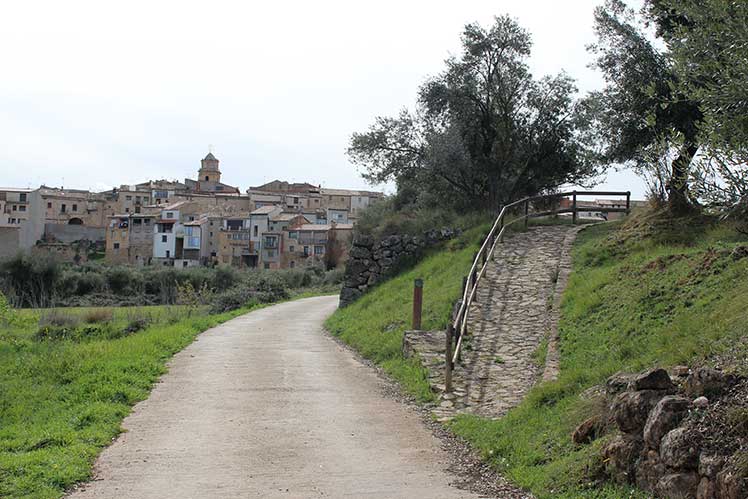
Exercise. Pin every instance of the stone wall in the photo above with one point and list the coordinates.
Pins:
(670, 440)
(370, 261)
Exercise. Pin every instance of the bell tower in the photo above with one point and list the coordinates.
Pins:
(209, 171)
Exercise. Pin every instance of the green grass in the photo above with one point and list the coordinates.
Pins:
(61, 402)
(374, 324)
(642, 294)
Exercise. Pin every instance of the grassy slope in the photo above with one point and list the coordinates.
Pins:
(632, 303)
(374, 324)
(61, 402)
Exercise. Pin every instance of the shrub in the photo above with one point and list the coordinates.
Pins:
(232, 299)
(59, 319)
(137, 321)
(54, 333)
(97, 315)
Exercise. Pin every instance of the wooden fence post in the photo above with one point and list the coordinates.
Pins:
(574, 207)
(417, 303)
(527, 211)
(628, 203)
(448, 358)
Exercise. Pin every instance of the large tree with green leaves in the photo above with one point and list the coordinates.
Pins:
(485, 131)
(643, 112)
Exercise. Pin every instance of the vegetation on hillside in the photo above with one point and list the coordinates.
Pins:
(374, 324)
(34, 281)
(653, 291)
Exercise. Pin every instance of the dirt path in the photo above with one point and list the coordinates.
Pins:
(267, 406)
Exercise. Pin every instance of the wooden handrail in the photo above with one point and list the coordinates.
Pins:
(458, 325)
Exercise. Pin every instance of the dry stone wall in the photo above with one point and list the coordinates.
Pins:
(371, 261)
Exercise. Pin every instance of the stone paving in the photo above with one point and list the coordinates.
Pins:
(516, 309)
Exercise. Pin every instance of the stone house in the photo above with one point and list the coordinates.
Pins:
(129, 238)
(305, 244)
(14, 205)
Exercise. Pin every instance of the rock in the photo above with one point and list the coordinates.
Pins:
(739, 253)
(654, 379)
(679, 449)
(649, 470)
(631, 409)
(619, 382)
(348, 296)
(710, 465)
(373, 279)
(363, 240)
(706, 381)
(730, 485)
(678, 486)
(701, 402)
(587, 431)
(359, 253)
(619, 456)
(664, 417)
(680, 371)
(707, 489)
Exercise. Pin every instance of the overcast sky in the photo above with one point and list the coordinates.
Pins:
(106, 93)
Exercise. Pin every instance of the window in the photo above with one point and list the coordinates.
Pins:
(318, 250)
(75, 207)
(15, 207)
(128, 198)
(271, 253)
(291, 249)
(293, 235)
(147, 221)
(168, 254)
(207, 178)
(127, 210)
(116, 245)
(63, 208)
(293, 264)
(22, 208)
(22, 197)
(49, 205)
(295, 200)
(164, 239)
(211, 234)
(267, 265)
(169, 214)
(306, 250)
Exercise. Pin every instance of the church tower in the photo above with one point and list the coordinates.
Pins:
(209, 171)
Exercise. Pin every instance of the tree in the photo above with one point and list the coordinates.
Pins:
(333, 250)
(708, 42)
(484, 131)
(642, 106)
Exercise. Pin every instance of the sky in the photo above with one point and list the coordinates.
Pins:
(95, 94)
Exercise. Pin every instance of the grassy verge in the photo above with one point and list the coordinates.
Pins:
(641, 294)
(62, 401)
(374, 324)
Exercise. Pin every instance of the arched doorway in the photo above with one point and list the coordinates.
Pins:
(75, 221)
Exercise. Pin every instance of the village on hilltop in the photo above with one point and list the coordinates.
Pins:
(198, 222)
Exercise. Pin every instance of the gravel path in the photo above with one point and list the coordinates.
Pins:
(268, 406)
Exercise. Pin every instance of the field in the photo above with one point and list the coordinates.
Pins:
(64, 395)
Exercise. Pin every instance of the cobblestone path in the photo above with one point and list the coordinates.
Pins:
(516, 310)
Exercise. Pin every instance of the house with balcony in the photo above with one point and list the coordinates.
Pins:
(177, 236)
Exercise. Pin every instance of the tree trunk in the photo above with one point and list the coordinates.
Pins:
(677, 188)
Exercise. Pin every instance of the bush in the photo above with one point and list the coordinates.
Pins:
(232, 299)
(137, 321)
(97, 315)
(59, 319)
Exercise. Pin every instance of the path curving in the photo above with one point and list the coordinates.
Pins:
(267, 406)
(515, 311)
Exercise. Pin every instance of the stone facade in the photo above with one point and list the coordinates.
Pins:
(370, 262)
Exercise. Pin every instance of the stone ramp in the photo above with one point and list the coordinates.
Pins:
(516, 309)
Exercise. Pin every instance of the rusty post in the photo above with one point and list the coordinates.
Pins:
(448, 358)
(574, 208)
(417, 303)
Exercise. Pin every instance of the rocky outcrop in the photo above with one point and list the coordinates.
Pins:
(659, 447)
(370, 261)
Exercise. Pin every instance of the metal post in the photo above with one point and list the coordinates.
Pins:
(574, 208)
(448, 358)
(628, 203)
(417, 303)
(527, 211)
